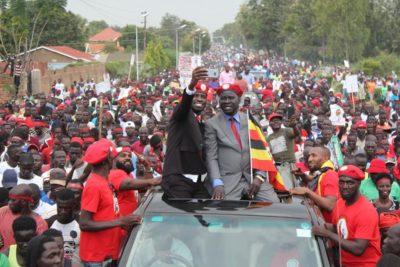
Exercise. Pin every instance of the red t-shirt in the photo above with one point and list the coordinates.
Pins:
(358, 221)
(138, 147)
(328, 185)
(99, 199)
(6, 221)
(126, 199)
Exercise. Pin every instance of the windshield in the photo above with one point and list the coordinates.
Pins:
(211, 240)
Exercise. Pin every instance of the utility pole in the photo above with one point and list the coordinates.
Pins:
(144, 15)
(137, 55)
(177, 43)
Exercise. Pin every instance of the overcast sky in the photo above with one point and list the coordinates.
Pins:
(211, 14)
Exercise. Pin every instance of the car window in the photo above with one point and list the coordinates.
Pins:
(211, 240)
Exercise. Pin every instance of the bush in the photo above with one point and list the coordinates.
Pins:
(381, 65)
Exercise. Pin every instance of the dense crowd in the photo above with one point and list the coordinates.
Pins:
(74, 162)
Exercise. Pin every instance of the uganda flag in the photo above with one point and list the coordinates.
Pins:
(261, 159)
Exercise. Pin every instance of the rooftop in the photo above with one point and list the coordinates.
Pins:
(106, 35)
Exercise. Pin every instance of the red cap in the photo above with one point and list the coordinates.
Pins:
(377, 166)
(61, 107)
(361, 124)
(232, 87)
(99, 151)
(352, 172)
(88, 140)
(202, 87)
(274, 115)
(117, 130)
(316, 102)
(77, 140)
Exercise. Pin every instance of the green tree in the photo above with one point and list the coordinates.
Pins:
(155, 58)
(96, 26)
(27, 24)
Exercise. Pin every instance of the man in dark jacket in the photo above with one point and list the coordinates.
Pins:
(184, 161)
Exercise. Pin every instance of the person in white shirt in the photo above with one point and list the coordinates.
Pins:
(65, 222)
(227, 76)
(45, 210)
(25, 174)
(59, 86)
(13, 153)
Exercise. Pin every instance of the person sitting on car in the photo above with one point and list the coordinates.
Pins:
(164, 249)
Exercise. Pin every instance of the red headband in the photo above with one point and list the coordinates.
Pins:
(19, 197)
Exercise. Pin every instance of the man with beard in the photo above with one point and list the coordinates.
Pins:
(355, 225)
(123, 181)
(322, 187)
(24, 229)
(184, 161)
(19, 204)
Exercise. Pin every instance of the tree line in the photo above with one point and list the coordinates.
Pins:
(327, 30)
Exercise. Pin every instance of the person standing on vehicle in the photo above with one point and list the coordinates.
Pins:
(322, 185)
(356, 228)
(228, 153)
(184, 160)
(100, 220)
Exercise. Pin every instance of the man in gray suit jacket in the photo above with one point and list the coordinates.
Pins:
(228, 153)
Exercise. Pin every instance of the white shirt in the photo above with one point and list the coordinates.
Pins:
(35, 180)
(3, 167)
(71, 244)
(45, 210)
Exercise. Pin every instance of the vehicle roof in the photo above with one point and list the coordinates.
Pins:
(155, 204)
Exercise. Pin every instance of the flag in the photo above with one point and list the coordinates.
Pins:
(260, 157)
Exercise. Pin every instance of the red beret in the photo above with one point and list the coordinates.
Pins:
(275, 115)
(378, 166)
(88, 140)
(361, 124)
(77, 140)
(99, 151)
(202, 87)
(352, 172)
(232, 87)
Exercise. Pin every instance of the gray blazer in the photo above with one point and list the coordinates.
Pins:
(224, 158)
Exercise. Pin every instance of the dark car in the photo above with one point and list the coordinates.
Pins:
(224, 233)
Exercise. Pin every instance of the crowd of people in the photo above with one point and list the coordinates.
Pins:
(74, 162)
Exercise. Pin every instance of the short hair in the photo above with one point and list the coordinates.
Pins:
(24, 223)
(51, 232)
(36, 249)
(75, 145)
(154, 140)
(26, 158)
(65, 194)
(13, 146)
